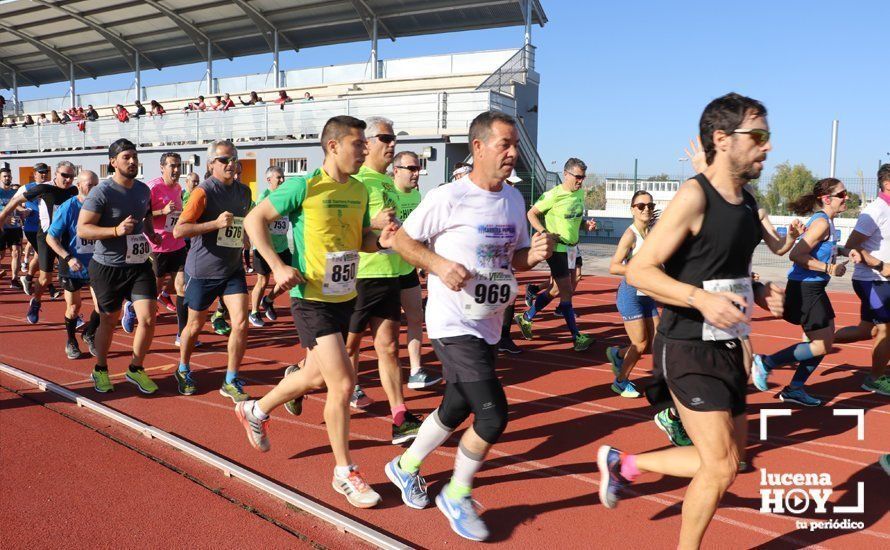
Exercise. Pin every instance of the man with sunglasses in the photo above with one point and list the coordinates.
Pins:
(696, 261)
(563, 210)
(378, 287)
(214, 221)
(47, 197)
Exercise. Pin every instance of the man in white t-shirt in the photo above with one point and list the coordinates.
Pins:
(478, 236)
(870, 246)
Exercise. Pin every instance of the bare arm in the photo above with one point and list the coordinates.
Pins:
(534, 218)
(56, 246)
(800, 254)
(369, 241)
(540, 248)
(11, 206)
(185, 230)
(854, 245)
(416, 253)
(88, 228)
(256, 226)
(625, 245)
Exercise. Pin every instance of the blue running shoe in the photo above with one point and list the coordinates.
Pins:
(611, 481)
(33, 315)
(625, 388)
(531, 292)
(759, 373)
(613, 353)
(462, 516)
(128, 320)
(799, 397)
(412, 486)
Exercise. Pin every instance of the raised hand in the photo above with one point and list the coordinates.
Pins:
(796, 228)
(696, 156)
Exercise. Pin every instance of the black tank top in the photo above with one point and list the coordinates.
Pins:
(721, 250)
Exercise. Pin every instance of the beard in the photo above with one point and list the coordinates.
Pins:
(747, 171)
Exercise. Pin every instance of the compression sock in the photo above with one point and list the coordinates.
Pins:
(71, 329)
(804, 370)
(92, 324)
(791, 354)
(466, 464)
(568, 313)
(430, 435)
(539, 304)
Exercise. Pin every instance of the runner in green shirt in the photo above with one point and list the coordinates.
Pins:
(278, 230)
(563, 210)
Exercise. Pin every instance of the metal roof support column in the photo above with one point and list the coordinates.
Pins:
(15, 93)
(209, 68)
(528, 22)
(275, 65)
(71, 88)
(374, 72)
(138, 78)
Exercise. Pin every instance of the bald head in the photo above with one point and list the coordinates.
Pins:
(86, 180)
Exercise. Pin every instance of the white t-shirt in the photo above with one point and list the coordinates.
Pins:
(478, 229)
(874, 223)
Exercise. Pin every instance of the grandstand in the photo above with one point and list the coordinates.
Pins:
(431, 99)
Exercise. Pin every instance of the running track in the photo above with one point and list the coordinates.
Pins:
(76, 475)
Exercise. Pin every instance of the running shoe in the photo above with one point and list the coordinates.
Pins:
(407, 431)
(101, 381)
(54, 293)
(422, 379)
(531, 292)
(507, 345)
(220, 325)
(612, 483)
(185, 384)
(412, 486)
(16, 283)
(90, 341)
(462, 516)
(234, 391)
(359, 399)
(255, 428)
(357, 492)
(884, 461)
(625, 388)
(799, 397)
(33, 315)
(880, 385)
(582, 342)
(178, 342)
(142, 381)
(167, 302)
(26, 284)
(294, 406)
(269, 308)
(673, 428)
(80, 322)
(71, 350)
(613, 353)
(759, 373)
(128, 320)
(255, 320)
(525, 326)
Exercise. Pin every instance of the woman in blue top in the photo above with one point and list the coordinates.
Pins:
(806, 301)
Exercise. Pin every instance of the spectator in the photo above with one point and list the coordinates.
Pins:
(121, 113)
(198, 105)
(78, 114)
(91, 114)
(217, 103)
(28, 121)
(42, 120)
(282, 99)
(10, 123)
(54, 117)
(308, 97)
(140, 110)
(227, 103)
(65, 117)
(254, 100)
(157, 109)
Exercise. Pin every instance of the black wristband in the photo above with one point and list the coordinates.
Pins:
(880, 267)
(380, 246)
(67, 259)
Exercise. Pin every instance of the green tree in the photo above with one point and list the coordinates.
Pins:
(595, 196)
(788, 183)
(659, 177)
(854, 205)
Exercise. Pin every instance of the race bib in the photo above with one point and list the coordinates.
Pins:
(279, 226)
(85, 246)
(488, 294)
(742, 287)
(339, 273)
(232, 236)
(170, 223)
(137, 249)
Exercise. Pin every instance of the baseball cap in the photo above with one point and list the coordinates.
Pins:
(41, 167)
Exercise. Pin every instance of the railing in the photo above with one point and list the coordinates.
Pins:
(415, 114)
(514, 70)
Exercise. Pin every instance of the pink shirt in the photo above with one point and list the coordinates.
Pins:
(161, 194)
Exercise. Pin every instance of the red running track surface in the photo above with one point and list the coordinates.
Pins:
(538, 487)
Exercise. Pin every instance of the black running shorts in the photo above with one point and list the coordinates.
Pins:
(466, 358)
(409, 280)
(314, 319)
(46, 257)
(807, 305)
(168, 263)
(378, 298)
(113, 285)
(559, 265)
(261, 266)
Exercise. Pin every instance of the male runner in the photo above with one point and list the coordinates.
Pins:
(31, 225)
(74, 255)
(696, 261)
(479, 235)
(12, 229)
(214, 221)
(563, 210)
(329, 214)
(378, 286)
(278, 230)
(406, 174)
(47, 196)
(115, 215)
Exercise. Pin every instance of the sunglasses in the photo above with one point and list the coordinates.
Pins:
(410, 168)
(67, 176)
(644, 206)
(577, 177)
(386, 138)
(839, 195)
(226, 160)
(42, 172)
(759, 136)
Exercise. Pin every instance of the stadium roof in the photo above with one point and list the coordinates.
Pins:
(40, 39)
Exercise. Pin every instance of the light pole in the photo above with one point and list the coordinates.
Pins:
(682, 161)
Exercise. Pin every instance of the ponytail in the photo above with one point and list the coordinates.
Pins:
(810, 201)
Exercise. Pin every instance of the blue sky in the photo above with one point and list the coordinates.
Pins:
(625, 80)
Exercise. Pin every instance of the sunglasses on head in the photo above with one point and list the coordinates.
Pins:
(643, 206)
(386, 138)
(839, 194)
(226, 160)
(758, 135)
(410, 168)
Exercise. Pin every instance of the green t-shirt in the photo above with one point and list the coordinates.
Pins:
(407, 203)
(381, 194)
(278, 228)
(563, 211)
(327, 217)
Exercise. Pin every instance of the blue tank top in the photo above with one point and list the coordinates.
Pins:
(32, 221)
(825, 251)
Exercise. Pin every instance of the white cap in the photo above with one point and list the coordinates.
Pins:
(513, 178)
(461, 172)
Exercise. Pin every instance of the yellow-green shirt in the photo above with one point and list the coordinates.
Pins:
(563, 211)
(382, 194)
(326, 216)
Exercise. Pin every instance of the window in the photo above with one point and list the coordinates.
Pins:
(291, 166)
(105, 171)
